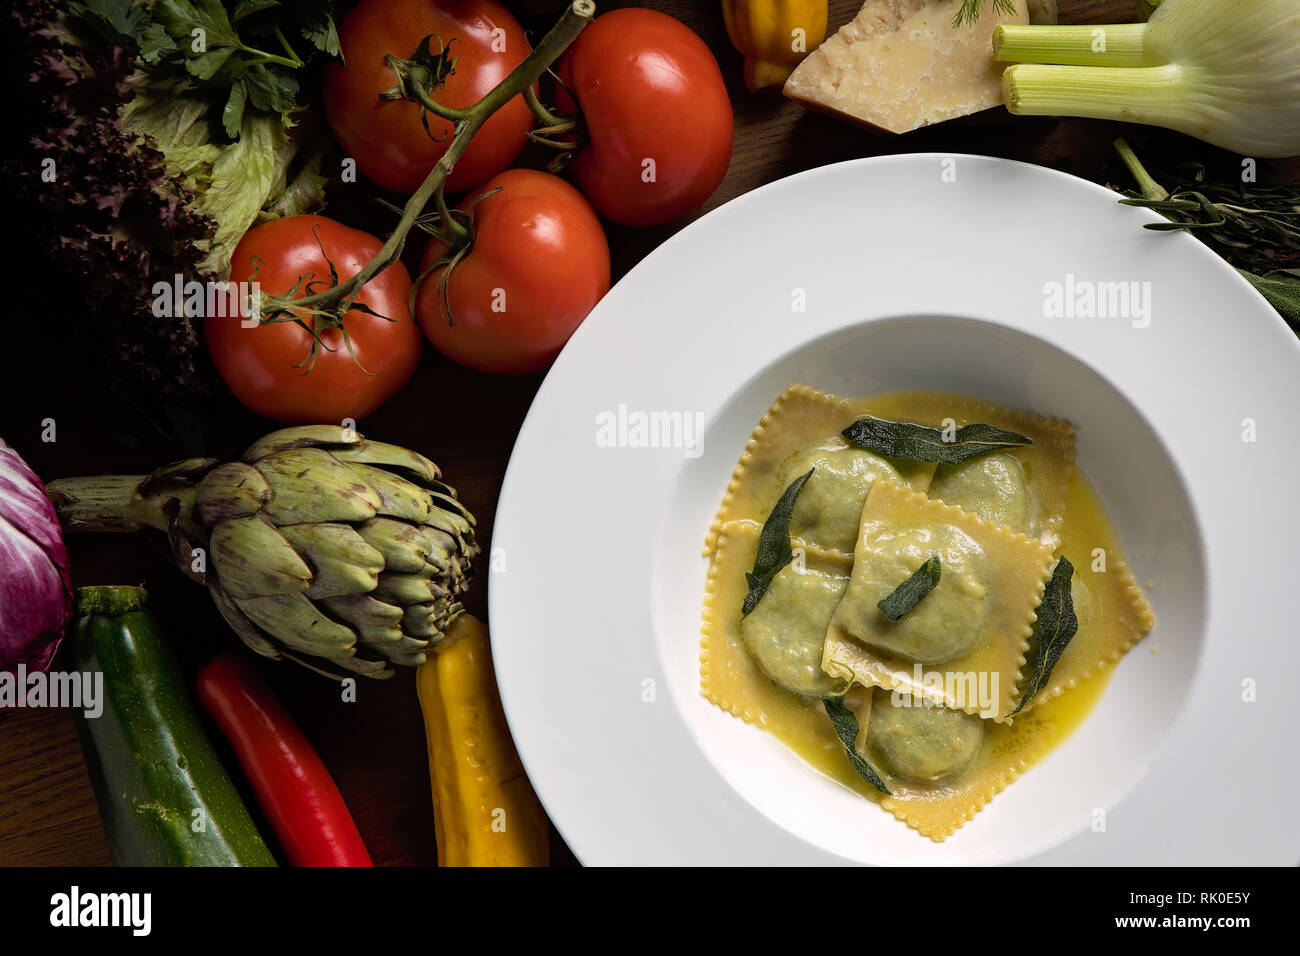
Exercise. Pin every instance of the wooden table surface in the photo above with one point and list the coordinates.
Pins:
(466, 422)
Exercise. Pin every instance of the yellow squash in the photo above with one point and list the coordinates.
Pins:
(774, 35)
(484, 810)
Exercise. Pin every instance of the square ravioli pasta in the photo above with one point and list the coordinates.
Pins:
(943, 766)
(766, 667)
(731, 676)
(1112, 611)
(1022, 489)
(801, 430)
(964, 644)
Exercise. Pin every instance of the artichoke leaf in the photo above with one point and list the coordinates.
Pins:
(232, 490)
(342, 561)
(430, 620)
(408, 644)
(248, 631)
(453, 611)
(366, 667)
(451, 504)
(298, 624)
(399, 498)
(410, 659)
(444, 489)
(328, 437)
(376, 623)
(252, 559)
(413, 465)
(454, 525)
(310, 484)
(405, 589)
(404, 546)
(421, 620)
(327, 668)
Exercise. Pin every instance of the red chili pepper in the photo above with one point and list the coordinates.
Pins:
(296, 792)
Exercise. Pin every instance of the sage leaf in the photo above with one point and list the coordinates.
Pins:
(846, 728)
(1282, 289)
(912, 591)
(773, 544)
(920, 443)
(1054, 629)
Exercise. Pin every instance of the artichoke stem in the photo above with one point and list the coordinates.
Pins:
(114, 503)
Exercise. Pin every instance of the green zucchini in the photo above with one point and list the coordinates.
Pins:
(164, 797)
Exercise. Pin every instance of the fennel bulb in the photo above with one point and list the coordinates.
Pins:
(1224, 71)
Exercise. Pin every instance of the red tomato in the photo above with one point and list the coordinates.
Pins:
(657, 114)
(386, 137)
(264, 366)
(538, 265)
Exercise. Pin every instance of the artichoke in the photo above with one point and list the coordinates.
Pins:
(341, 554)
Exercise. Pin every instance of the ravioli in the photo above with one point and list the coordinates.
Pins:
(949, 621)
(830, 502)
(976, 622)
(982, 484)
(730, 676)
(938, 808)
(799, 431)
(863, 524)
(993, 487)
(1113, 614)
(919, 741)
(786, 630)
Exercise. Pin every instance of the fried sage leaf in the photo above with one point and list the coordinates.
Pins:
(773, 544)
(912, 591)
(1054, 629)
(920, 443)
(846, 728)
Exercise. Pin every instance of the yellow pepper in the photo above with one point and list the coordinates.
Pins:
(484, 810)
(774, 35)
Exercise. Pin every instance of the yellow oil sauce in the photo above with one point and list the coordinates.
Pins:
(805, 729)
(801, 724)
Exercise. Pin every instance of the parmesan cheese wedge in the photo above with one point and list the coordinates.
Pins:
(901, 64)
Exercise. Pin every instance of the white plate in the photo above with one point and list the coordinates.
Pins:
(915, 271)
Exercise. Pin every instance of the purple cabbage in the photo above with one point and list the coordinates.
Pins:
(35, 585)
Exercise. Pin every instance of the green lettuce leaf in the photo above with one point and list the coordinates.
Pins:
(228, 185)
(177, 150)
(241, 184)
(299, 186)
(173, 118)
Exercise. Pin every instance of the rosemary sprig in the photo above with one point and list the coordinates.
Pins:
(1255, 228)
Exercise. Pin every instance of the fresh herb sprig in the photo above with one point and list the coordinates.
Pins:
(971, 10)
(1256, 228)
(243, 53)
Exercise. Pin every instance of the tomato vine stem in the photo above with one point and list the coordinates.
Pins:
(545, 116)
(337, 301)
